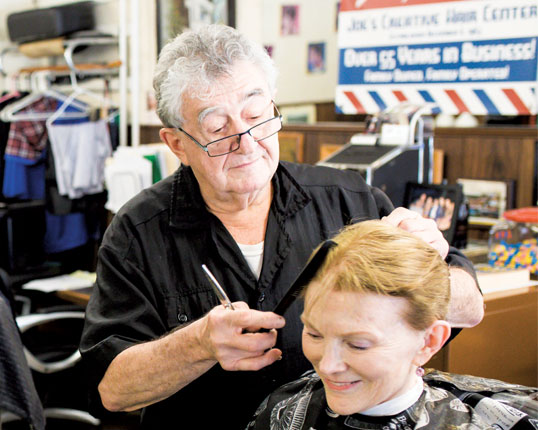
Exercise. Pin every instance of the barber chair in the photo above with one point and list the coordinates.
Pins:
(53, 349)
(49, 329)
(50, 347)
(18, 396)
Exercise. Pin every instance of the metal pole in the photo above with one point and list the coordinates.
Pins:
(135, 73)
(123, 71)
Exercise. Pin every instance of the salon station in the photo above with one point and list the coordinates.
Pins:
(432, 103)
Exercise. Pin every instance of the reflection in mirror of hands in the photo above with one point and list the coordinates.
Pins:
(427, 207)
(418, 205)
(445, 220)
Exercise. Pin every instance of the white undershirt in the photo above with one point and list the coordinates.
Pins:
(398, 404)
(254, 256)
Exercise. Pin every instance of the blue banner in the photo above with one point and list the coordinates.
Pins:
(501, 60)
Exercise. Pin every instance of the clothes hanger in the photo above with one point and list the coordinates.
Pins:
(13, 91)
(103, 101)
(11, 112)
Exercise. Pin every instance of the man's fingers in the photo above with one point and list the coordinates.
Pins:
(398, 215)
(418, 225)
(254, 320)
(254, 342)
(234, 339)
(425, 228)
(257, 363)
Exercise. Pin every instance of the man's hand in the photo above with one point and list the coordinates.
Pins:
(466, 303)
(231, 337)
(424, 228)
(149, 372)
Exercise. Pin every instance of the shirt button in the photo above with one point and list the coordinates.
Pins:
(262, 298)
(182, 318)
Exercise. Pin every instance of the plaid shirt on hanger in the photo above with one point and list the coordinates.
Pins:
(27, 139)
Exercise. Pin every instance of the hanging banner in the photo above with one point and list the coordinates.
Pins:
(474, 56)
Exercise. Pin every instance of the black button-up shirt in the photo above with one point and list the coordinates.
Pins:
(149, 280)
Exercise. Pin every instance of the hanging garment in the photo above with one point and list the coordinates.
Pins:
(80, 151)
(126, 174)
(4, 135)
(27, 139)
(24, 178)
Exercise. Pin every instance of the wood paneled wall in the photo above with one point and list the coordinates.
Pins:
(321, 133)
(478, 153)
(492, 153)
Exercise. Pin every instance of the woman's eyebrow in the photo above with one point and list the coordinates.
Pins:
(305, 321)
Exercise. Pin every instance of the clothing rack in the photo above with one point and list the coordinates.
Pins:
(80, 71)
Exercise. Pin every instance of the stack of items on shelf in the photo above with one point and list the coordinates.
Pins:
(132, 169)
(513, 252)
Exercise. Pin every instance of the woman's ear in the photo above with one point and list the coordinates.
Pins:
(435, 337)
(170, 136)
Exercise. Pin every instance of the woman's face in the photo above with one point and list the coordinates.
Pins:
(362, 349)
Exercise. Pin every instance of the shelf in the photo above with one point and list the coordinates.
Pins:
(71, 44)
(111, 68)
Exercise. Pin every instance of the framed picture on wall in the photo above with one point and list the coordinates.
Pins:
(488, 199)
(291, 146)
(316, 57)
(438, 202)
(289, 23)
(173, 16)
(298, 114)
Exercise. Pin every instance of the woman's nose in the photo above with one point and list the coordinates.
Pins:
(332, 360)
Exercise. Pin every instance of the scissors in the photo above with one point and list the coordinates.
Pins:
(306, 275)
(219, 291)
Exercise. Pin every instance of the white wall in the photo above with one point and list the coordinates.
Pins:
(261, 19)
(316, 24)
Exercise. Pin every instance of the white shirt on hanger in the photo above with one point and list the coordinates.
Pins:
(80, 151)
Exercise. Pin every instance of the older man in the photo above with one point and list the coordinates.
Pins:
(155, 335)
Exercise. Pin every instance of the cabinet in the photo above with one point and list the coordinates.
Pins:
(503, 346)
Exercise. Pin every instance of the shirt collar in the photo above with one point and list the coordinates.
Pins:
(398, 404)
(188, 210)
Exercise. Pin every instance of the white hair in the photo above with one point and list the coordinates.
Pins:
(193, 60)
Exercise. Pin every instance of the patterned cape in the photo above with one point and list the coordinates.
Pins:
(448, 402)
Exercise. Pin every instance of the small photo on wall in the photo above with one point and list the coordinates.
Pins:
(290, 20)
(316, 57)
(337, 15)
(269, 50)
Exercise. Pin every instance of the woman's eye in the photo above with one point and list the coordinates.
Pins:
(358, 347)
(313, 335)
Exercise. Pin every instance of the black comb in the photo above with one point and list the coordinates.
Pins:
(306, 275)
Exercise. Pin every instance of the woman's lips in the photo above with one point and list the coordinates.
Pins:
(340, 386)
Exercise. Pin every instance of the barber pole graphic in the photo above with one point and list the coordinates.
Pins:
(456, 55)
(478, 100)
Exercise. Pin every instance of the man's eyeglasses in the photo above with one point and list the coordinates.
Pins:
(228, 144)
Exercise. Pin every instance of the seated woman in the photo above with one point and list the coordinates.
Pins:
(373, 316)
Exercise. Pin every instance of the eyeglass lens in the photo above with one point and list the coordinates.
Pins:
(231, 143)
